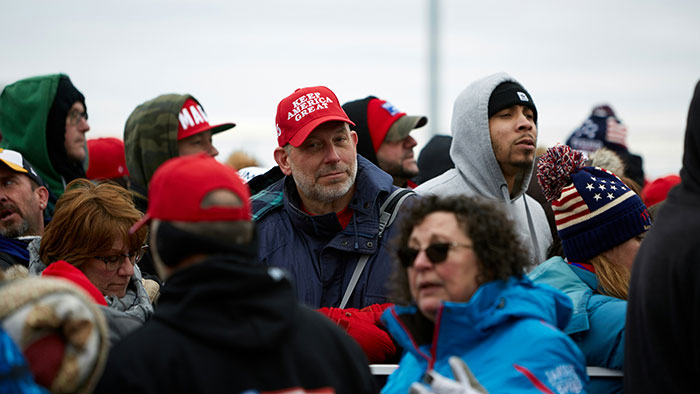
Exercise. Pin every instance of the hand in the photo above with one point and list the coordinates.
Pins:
(366, 329)
(465, 382)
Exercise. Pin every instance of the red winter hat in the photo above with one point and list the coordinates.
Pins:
(301, 112)
(107, 159)
(193, 120)
(179, 186)
(65, 270)
(656, 191)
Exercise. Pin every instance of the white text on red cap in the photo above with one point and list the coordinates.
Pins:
(307, 104)
(197, 116)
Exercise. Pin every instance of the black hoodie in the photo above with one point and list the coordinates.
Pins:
(226, 325)
(662, 349)
(66, 96)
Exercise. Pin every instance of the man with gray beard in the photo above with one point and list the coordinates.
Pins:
(23, 199)
(323, 216)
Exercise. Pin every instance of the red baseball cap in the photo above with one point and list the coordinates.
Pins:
(107, 159)
(193, 120)
(386, 122)
(179, 186)
(301, 112)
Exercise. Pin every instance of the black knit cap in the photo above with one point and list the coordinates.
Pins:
(508, 94)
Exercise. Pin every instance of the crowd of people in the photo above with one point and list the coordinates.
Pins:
(480, 264)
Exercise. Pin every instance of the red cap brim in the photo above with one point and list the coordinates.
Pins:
(214, 129)
(144, 220)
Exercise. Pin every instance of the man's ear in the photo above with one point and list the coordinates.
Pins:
(42, 195)
(353, 135)
(282, 159)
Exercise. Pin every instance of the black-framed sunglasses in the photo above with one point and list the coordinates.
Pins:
(436, 252)
(113, 262)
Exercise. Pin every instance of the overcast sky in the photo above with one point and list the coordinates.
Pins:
(240, 58)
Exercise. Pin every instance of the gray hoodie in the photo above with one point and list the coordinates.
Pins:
(477, 172)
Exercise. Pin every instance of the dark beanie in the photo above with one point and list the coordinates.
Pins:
(434, 158)
(508, 94)
(357, 112)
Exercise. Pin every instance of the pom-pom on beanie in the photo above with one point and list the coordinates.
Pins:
(593, 209)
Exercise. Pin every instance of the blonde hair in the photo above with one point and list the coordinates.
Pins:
(608, 159)
(613, 278)
(87, 220)
(240, 159)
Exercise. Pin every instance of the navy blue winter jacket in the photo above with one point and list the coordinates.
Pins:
(317, 252)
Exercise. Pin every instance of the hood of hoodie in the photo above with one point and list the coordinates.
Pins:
(229, 301)
(150, 138)
(471, 149)
(690, 172)
(29, 109)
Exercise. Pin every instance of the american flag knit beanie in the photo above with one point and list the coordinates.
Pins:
(593, 209)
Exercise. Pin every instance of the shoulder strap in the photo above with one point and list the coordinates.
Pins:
(389, 210)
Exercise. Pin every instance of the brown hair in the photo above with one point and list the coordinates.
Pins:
(87, 220)
(613, 278)
(498, 250)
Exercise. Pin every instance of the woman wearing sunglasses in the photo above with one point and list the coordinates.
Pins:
(460, 291)
(90, 231)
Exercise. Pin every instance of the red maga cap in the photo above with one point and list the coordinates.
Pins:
(180, 185)
(107, 159)
(193, 120)
(301, 112)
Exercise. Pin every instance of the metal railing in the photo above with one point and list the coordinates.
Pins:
(387, 369)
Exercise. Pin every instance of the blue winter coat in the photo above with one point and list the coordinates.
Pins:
(598, 322)
(507, 334)
(317, 252)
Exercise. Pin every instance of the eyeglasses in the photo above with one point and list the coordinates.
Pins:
(76, 115)
(113, 262)
(437, 253)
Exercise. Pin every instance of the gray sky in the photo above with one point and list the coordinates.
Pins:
(239, 58)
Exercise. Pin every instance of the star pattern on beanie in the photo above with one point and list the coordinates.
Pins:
(597, 195)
